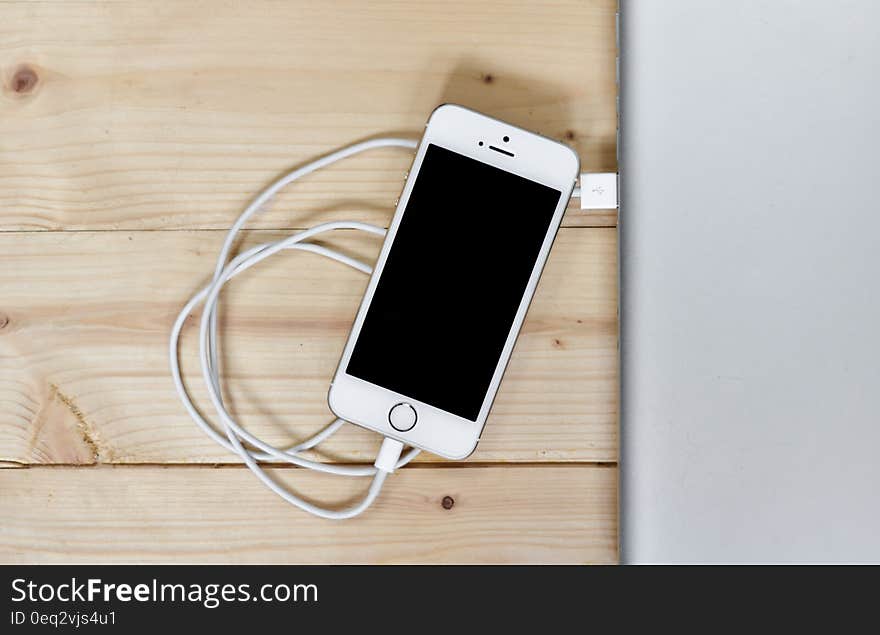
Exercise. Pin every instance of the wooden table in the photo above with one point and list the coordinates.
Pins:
(132, 134)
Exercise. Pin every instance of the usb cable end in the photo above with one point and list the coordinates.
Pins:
(598, 190)
(388, 455)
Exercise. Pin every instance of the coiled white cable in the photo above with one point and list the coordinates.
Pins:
(238, 440)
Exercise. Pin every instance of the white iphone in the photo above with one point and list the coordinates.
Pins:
(450, 290)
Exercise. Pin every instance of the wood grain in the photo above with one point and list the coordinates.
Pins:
(171, 115)
(499, 515)
(130, 132)
(83, 355)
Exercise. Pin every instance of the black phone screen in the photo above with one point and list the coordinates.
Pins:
(453, 280)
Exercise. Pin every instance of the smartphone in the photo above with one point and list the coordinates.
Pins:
(449, 292)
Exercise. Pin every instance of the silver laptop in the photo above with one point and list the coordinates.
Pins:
(750, 281)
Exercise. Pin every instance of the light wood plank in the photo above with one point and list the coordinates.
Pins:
(499, 515)
(172, 115)
(84, 375)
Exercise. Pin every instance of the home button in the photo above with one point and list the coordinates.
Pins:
(402, 417)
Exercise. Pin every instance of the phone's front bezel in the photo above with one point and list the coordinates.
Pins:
(536, 158)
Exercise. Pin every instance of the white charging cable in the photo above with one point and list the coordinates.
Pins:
(250, 448)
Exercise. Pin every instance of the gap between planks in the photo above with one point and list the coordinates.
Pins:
(602, 220)
(14, 465)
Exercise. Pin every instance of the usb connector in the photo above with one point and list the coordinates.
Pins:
(389, 454)
(598, 190)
